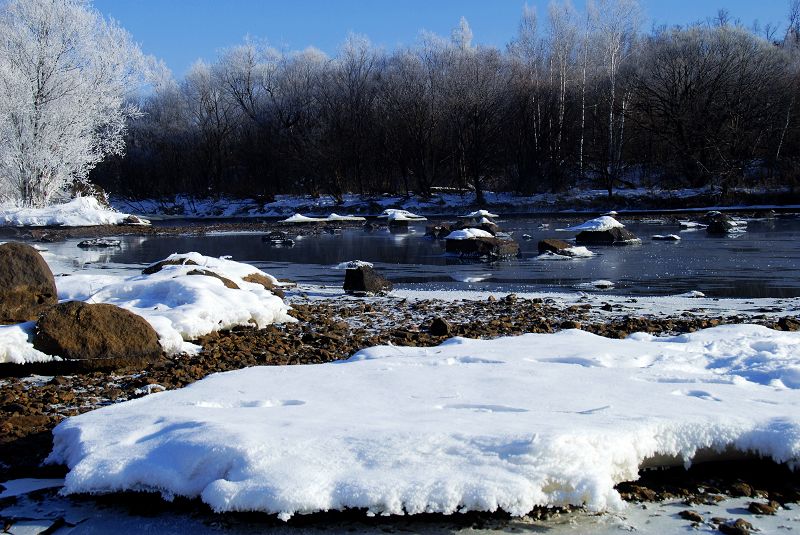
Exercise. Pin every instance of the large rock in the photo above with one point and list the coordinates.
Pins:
(552, 245)
(483, 247)
(96, 336)
(27, 287)
(364, 280)
(613, 236)
(718, 223)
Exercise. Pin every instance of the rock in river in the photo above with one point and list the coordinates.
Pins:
(364, 280)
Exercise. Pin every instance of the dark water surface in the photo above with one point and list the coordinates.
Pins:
(762, 262)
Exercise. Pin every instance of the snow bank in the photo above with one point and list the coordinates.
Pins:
(469, 425)
(79, 212)
(597, 224)
(180, 307)
(468, 234)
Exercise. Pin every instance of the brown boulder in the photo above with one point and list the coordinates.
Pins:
(614, 236)
(100, 336)
(27, 286)
(483, 247)
(364, 280)
(551, 245)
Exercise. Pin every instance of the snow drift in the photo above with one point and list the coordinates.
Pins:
(79, 212)
(504, 424)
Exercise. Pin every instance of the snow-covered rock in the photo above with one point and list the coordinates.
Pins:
(597, 224)
(353, 264)
(468, 234)
(394, 215)
(428, 429)
(79, 212)
(480, 214)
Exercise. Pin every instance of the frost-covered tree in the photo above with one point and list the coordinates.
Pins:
(66, 75)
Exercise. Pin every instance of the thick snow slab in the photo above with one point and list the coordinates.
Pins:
(598, 224)
(468, 425)
(79, 212)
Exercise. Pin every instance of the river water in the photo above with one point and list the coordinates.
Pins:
(764, 261)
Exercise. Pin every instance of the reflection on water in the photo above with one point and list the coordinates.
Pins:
(763, 262)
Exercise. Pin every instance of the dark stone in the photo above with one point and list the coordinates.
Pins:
(27, 286)
(133, 220)
(758, 508)
(99, 243)
(439, 231)
(483, 247)
(266, 282)
(692, 516)
(277, 238)
(739, 527)
(491, 228)
(553, 245)
(206, 273)
(439, 327)
(99, 336)
(614, 236)
(364, 280)
(787, 323)
(719, 227)
(718, 223)
(158, 266)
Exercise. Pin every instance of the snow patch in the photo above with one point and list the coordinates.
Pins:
(353, 264)
(400, 215)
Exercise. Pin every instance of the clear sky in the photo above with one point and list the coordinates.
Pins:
(182, 31)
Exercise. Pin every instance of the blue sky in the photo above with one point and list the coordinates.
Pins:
(181, 31)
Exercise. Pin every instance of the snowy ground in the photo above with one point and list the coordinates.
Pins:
(471, 425)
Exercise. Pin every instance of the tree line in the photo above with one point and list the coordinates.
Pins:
(576, 98)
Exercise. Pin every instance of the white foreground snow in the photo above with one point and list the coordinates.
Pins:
(468, 234)
(79, 212)
(598, 224)
(469, 425)
(179, 306)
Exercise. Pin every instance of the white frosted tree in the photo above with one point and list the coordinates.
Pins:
(66, 77)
